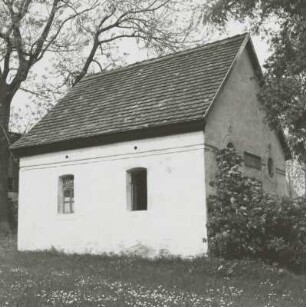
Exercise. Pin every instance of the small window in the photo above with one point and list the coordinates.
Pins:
(270, 167)
(230, 145)
(252, 161)
(137, 189)
(66, 195)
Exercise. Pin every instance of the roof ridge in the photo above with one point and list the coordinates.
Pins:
(160, 58)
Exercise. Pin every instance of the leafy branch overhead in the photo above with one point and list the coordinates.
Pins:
(77, 34)
(283, 91)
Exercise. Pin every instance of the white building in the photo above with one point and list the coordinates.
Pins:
(123, 162)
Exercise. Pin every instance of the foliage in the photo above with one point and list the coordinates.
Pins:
(246, 222)
(296, 178)
(283, 92)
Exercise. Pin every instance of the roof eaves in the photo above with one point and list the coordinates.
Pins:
(222, 84)
(110, 138)
(254, 59)
(280, 134)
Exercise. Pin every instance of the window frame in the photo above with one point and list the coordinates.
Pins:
(137, 191)
(252, 165)
(62, 202)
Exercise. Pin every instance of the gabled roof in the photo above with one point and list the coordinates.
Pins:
(165, 92)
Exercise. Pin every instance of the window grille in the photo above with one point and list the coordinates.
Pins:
(66, 195)
(252, 161)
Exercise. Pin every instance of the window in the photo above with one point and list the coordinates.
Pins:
(230, 145)
(270, 167)
(137, 189)
(66, 195)
(252, 161)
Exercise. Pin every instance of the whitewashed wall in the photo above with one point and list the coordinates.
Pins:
(238, 117)
(175, 219)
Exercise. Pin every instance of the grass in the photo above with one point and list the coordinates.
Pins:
(54, 279)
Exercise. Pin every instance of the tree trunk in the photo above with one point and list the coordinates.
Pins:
(5, 102)
(290, 185)
(304, 169)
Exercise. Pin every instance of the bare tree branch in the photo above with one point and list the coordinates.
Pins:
(107, 17)
(33, 93)
(53, 38)
(88, 61)
(104, 41)
(95, 61)
(39, 43)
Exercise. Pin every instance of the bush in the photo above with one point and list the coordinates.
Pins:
(245, 222)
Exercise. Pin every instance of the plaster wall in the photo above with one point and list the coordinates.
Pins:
(237, 117)
(174, 222)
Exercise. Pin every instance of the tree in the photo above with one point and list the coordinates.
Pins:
(77, 37)
(283, 91)
(295, 178)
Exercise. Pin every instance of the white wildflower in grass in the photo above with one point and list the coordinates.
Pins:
(57, 280)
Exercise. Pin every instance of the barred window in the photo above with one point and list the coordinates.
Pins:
(252, 161)
(66, 195)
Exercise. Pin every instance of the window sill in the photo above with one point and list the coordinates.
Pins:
(65, 217)
(138, 211)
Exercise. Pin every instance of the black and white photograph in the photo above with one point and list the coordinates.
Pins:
(153, 153)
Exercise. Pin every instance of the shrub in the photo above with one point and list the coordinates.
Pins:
(246, 222)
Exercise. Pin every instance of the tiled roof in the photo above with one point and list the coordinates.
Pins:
(173, 89)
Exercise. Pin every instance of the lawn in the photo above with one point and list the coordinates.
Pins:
(54, 279)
